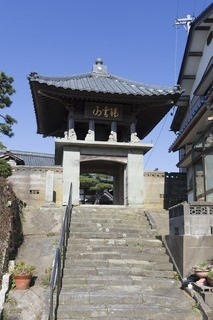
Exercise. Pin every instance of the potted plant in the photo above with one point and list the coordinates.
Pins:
(22, 274)
(202, 270)
(209, 278)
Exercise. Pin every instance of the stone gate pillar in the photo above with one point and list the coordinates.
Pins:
(71, 174)
(49, 186)
(135, 178)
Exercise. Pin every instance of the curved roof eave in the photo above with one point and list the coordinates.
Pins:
(92, 82)
(49, 93)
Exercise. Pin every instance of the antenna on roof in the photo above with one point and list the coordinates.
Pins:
(185, 22)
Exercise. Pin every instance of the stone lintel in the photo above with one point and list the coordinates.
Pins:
(104, 144)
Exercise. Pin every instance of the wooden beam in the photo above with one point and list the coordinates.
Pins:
(202, 28)
(189, 77)
(195, 53)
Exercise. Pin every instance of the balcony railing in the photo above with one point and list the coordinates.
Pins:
(195, 105)
(192, 208)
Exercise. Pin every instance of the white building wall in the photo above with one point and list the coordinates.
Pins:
(207, 55)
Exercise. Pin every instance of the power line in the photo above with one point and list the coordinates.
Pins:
(156, 140)
(194, 8)
(176, 50)
(177, 8)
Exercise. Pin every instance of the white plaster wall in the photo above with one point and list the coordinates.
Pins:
(207, 55)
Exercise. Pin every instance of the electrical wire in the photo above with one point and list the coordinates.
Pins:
(176, 42)
(159, 134)
(176, 50)
(193, 15)
(177, 8)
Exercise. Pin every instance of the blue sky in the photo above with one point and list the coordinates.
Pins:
(136, 39)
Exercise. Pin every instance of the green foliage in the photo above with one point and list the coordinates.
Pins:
(176, 276)
(195, 306)
(47, 277)
(86, 182)
(94, 182)
(5, 169)
(202, 266)
(210, 274)
(10, 220)
(6, 90)
(11, 309)
(22, 267)
(101, 186)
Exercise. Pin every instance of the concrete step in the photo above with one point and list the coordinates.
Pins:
(82, 271)
(108, 234)
(106, 255)
(116, 268)
(133, 242)
(121, 282)
(142, 264)
(138, 311)
(107, 216)
(85, 248)
(112, 297)
(107, 226)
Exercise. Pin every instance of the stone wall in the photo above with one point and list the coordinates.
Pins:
(37, 185)
(154, 186)
(189, 251)
(190, 234)
(194, 218)
(163, 190)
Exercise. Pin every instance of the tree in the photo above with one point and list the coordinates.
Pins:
(5, 169)
(95, 182)
(6, 90)
(87, 181)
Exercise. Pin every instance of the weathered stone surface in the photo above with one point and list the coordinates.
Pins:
(116, 269)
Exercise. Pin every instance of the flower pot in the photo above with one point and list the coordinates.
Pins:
(201, 273)
(22, 281)
(209, 281)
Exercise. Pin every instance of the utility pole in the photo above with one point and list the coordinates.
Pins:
(185, 22)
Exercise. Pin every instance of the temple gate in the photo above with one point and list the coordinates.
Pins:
(99, 121)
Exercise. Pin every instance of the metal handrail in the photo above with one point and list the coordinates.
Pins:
(58, 264)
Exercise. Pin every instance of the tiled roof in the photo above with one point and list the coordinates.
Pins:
(52, 98)
(100, 81)
(33, 158)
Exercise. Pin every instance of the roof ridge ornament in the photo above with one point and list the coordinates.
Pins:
(99, 67)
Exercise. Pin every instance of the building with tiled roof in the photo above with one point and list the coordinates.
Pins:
(28, 158)
(193, 120)
(53, 96)
(191, 222)
(99, 120)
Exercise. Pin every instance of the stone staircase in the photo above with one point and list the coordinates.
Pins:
(117, 269)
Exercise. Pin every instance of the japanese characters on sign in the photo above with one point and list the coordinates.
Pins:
(103, 111)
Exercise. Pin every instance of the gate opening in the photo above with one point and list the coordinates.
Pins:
(96, 188)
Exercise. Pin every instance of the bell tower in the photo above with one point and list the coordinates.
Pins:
(99, 121)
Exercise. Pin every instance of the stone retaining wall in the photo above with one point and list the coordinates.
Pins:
(37, 185)
(40, 185)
